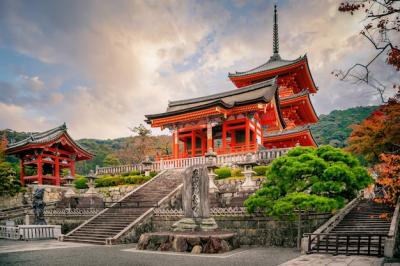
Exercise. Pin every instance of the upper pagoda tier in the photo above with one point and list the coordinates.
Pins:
(277, 67)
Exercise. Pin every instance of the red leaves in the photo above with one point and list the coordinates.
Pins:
(349, 7)
(394, 58)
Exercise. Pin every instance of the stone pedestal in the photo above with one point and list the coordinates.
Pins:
(195, 224)
(147, 166)
(249, 183)
(211, 162)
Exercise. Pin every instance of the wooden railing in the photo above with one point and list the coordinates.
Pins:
(222, 159)
(348, 244)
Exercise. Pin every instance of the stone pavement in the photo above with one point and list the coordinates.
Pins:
(340, 260)
(9, 246)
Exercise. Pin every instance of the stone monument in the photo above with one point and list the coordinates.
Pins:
(38, 206)
(195, 201)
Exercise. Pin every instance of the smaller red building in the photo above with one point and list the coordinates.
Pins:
(45, 154)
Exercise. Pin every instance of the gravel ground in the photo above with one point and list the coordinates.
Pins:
(128, 255)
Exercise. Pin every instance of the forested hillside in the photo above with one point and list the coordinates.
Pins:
(332, 129)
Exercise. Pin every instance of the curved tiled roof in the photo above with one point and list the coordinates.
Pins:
(45, 137)
(274, 62)
(287, 131)
(262, 91)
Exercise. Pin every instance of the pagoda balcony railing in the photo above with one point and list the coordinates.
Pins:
(179, 163)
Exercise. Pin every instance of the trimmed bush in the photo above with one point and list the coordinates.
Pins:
(237, 172)
(223, 172)
(153, 174)
(81, 183)
(260, 170)
(109, 181)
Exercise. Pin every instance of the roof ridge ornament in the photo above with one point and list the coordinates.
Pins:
(275, 37)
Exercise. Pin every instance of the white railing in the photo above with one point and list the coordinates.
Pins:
(9, 232)
(30, 232)
(223, 159)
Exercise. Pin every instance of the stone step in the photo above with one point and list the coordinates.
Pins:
(88, 237)
(87, 241)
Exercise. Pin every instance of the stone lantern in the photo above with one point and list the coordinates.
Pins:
(248, 172)
(147, 163)
(68, 179)
(91, 191)
(211, 163)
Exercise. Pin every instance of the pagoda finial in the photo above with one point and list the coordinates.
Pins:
(275, 36)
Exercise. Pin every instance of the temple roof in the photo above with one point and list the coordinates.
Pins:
(43, 138)
(274, 62)
(287, 131)
(259, 92)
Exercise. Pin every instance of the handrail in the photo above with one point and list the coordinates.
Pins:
(112, 240)
(330, 224)
(390, 242)
(123, 198)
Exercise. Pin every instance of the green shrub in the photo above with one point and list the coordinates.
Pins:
(309, 179)
(81, 183)
(260, 170)
(109, 181)
(223, 172)
(135, 172)
(237, 172)
(125, 174)
(153, 174)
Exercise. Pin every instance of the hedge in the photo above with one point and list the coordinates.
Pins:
(223, 172)
(260, 170)
(81, 183)
(109, 181)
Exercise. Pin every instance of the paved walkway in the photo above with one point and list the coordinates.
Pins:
(340, 260)
(9, 246)
(45, 253)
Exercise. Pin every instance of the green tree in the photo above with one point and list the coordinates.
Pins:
(111, 160)
(9, 184)
(309, 179)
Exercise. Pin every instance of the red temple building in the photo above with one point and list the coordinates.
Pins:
(45, 154)
(269, 108)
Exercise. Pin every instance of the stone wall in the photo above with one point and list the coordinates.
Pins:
(253, 230)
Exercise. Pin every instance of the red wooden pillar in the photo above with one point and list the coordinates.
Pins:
(175, 144)
(40, 170)
(57, 171)
(193, 144)
(185, 148)
(224, 136)
(247, 134)
(21, 171)
(209, 137)
(72, 167)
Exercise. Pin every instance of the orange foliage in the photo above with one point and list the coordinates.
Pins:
(389, 176)
(379, 133)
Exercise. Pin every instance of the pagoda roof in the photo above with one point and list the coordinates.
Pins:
(42, 138)
(275, 62)
(260, 92)
(287, 131)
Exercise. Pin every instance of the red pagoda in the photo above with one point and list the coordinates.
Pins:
(46, 154)
(269, 108)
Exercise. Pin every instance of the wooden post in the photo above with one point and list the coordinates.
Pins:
(193, 144)
(224, 136)
(175, 144)
(40, 170)
(209, 137)
(247, 134)
(21, 171)
(72, 167)
(57, 171)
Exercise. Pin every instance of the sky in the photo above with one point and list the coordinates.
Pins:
(100, 66)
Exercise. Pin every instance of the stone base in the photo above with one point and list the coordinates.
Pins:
(194, 242)
(195, 224)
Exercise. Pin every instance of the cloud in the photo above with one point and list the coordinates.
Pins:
(114, 62)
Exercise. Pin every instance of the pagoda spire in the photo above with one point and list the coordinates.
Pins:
(275, 37)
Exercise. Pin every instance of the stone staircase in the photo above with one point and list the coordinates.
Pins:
(362, 231)
(112, 222)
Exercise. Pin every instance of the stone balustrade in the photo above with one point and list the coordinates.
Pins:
(263, 156)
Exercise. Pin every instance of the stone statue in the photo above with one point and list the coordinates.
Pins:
(38, 206)
(195, 201)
